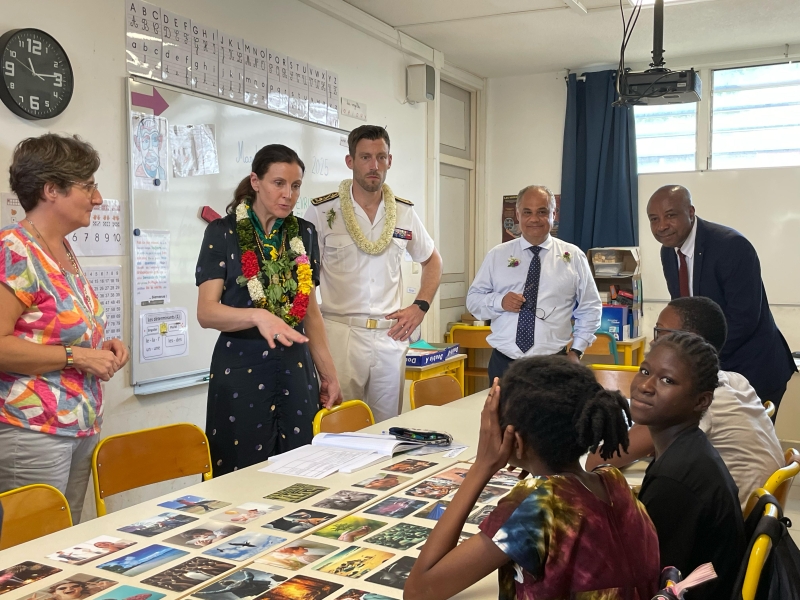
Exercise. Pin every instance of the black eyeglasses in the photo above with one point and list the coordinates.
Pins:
(659, 331)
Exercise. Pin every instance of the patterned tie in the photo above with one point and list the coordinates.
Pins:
(527, 314)
(683, 275)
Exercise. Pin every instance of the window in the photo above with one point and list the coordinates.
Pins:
(666, 137)
(755, 120)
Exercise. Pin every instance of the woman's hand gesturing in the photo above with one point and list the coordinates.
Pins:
(274, 329)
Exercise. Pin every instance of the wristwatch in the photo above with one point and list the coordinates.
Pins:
(576, 351)
(423, 306)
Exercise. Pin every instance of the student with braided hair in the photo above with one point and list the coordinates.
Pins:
(688, 492)
(562, 533)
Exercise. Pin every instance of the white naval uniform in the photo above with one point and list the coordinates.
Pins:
(356, 286)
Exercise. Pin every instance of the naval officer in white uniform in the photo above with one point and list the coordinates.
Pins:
(363, 232)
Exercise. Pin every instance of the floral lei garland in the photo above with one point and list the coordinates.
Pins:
(349, 216)
(283, 297)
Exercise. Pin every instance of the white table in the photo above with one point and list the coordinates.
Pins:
(461, 419)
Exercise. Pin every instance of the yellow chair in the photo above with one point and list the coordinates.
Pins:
(779, 483)
(615, 377)
(130, 460)
(32, 511)
(348, 416)
(769, 408)
(470, 337)
(759, 554)
(434, 391)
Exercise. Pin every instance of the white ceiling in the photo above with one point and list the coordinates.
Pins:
(496, 38)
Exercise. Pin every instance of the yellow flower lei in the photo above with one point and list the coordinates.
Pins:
(349, 216)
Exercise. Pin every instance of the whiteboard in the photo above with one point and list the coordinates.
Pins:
(240, 132)
(755, 202)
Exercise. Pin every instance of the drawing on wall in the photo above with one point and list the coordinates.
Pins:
(194, 150)
(150, 152)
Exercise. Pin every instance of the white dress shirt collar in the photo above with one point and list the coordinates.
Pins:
(546, 244)
(687, 248)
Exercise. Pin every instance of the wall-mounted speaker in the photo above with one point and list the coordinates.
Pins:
(420, 83)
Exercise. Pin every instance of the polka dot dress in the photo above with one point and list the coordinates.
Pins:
(261, 401)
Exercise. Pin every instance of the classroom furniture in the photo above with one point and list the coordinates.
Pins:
(769, 408)
(351, 415)
(780, 482)
(32, 511)
(759, 553)
(454, 366)
(435, 391)
(627, 347)
(615, 377)
(470, 338)
(130, 460)
(604, 345)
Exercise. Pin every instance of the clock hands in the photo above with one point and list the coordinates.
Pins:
(33, 71)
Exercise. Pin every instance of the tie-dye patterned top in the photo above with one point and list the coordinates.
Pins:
(564, 542)
(64, 402)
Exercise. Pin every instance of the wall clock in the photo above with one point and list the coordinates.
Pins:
(37, 79)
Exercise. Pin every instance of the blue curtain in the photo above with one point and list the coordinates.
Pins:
(599, 177)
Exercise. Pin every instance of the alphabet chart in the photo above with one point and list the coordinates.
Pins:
(143, 39)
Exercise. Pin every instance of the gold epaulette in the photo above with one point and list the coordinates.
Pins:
(404, 201)
(325, 198)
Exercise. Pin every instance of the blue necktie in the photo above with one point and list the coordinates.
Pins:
(527, 314)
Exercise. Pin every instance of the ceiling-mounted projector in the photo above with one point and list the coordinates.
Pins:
(657, 85)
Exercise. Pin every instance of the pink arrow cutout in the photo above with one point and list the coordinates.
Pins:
(156, 101)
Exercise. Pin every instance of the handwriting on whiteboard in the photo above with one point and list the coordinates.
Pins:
(351, 108)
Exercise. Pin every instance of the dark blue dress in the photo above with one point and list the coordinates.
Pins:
(261, 401)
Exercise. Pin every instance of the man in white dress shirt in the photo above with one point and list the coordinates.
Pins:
(532, 287)
(363, 232)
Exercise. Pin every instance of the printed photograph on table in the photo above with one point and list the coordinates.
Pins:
(491, 493)
(434, 488)
(345, 500)
(504, 478)
(142, 560)
(297, 492)
(395, 574)
(80, 554)
(244, 546)
(433, 512)
(299, 521)
(395, 507)
(189, 574)
(382, 481)
(301, 587)
(479, 514)
(297, 554)
(158, 524)
(354, 562)
(129, 592)
(402, 536)
(464, 536)
(349, 529)
(246, 513)
(194, 504)
(456, 475)
(75, 587)
(244, 584)
(24, 573)
(410, 466)
(203, 535)
(362, 595)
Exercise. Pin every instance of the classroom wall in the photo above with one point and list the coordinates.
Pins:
(525, 131)
(93, 35)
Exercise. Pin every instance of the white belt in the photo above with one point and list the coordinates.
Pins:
(364, 323)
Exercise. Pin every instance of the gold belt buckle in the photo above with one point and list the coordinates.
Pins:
(372, 323)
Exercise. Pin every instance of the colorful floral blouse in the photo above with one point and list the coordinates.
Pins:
(64, 402)
(565, 542)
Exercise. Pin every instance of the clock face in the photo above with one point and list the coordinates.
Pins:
(37, 78)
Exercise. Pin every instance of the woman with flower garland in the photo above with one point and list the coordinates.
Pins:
(256, 275)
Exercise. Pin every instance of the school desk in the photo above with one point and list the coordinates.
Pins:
(453, 365)
(625, 348)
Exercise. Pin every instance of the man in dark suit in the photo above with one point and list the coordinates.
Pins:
(701, 258)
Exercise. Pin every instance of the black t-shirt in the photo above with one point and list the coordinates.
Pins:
(693, 502)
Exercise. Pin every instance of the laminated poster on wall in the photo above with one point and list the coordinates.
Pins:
(103, 236)
(150, 151)
(11, 212)
(106, 281)
(151, 267)
(194, 150)
(164, 334)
